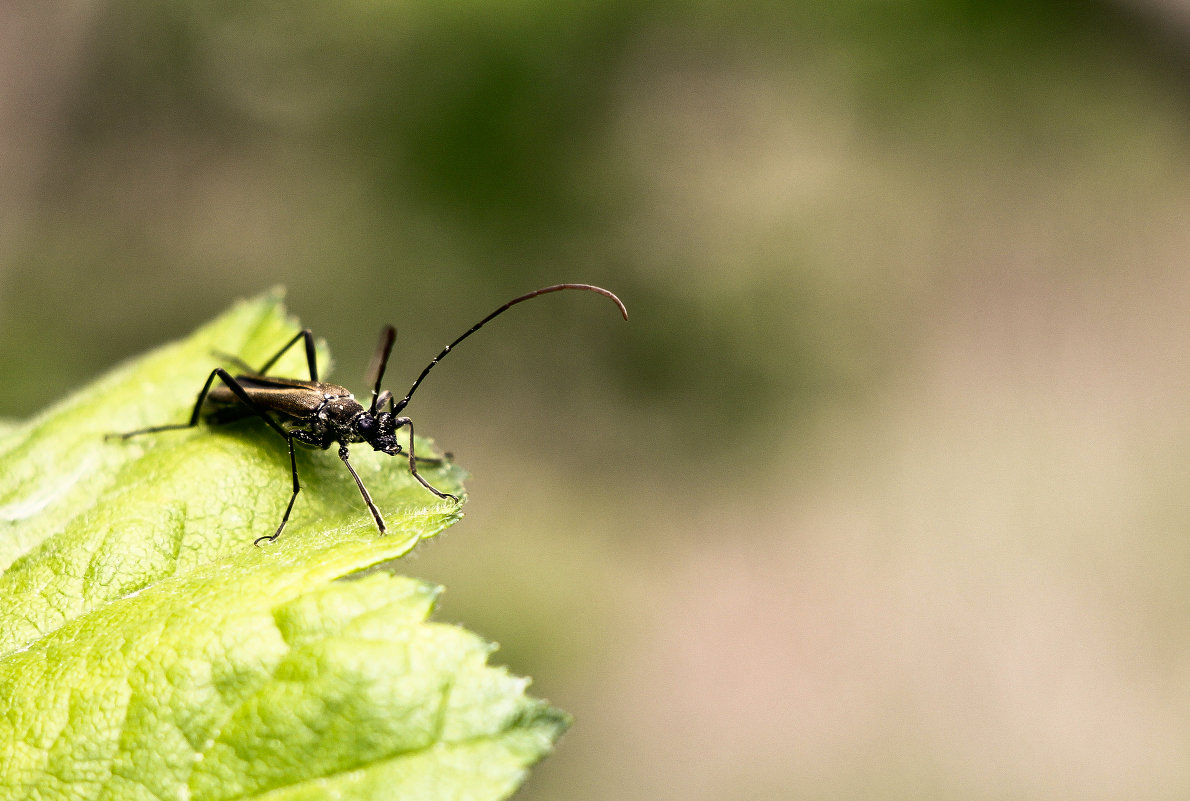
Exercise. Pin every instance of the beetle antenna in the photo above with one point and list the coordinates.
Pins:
(375, 374)
(556, 288)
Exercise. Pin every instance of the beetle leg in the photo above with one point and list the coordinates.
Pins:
(362, 489)
(311, 359)
(297, 487)
(231, 383)
(405, 421)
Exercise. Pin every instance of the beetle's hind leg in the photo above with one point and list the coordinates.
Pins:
(251, 408)
(311, 360)
(194, 415)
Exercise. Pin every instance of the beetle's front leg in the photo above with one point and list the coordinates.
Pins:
(401, 422)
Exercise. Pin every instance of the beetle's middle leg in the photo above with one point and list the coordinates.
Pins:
(362, 489)
(297, 487)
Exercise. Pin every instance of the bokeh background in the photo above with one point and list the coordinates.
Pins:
(883, 492)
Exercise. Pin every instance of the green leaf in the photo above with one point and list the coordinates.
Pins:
(148, 650)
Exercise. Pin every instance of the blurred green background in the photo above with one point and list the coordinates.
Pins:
(883, 490)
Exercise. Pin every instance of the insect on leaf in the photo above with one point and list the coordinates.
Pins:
(148, 650)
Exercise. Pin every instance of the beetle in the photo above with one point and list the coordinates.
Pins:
(319, 414)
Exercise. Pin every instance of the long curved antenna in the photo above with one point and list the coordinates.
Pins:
(375, 374)
(527, 296)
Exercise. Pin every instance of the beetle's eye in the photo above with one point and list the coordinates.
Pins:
(366, 425)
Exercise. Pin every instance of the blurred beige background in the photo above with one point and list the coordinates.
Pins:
(883, 490)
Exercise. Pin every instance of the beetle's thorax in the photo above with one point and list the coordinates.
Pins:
(337, 415)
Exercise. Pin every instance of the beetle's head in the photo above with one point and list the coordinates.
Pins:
(379, 431)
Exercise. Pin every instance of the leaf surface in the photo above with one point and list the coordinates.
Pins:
(148, 650)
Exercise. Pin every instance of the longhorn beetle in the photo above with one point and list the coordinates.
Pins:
(317, 414)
